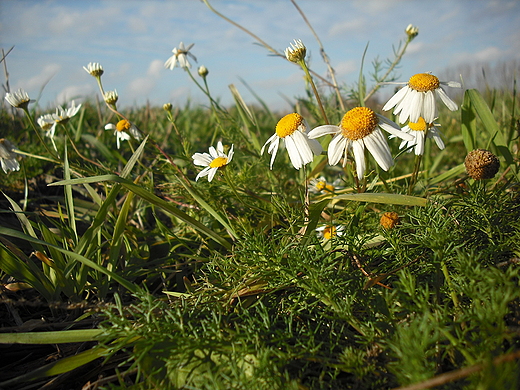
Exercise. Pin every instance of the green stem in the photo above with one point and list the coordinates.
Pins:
(415, 173)
(318, 99)
(39, 135)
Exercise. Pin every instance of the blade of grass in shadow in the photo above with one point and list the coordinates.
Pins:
(128, 285)
(69, 199)
(59, 337)
(468, 123)
(404, 200)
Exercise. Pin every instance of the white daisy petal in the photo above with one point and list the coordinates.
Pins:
(336, 148)
(322, 130)
(358, 149)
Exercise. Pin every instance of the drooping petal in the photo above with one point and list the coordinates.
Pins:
(452, 106)
(429, 107)
(322, 130)
(294, 153)
(336, 148)
(302, 143)
(359, 156)
(378, 147)
(396, 99)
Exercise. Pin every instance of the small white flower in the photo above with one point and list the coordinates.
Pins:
(417, 98)
(63, 115)
(19, 99)
(48, 124)
(181, 55)
(293, 130)
(360, 128)
(420, 130)
(215, 160)
(94, 69)
(329, 231)
(111, 97)
(8, 159)
(412, 31)
(122, 130)
(320, 185)
(296, 52)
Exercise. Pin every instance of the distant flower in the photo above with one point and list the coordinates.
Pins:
(412, 31)
(63, 115)
(203, 71)
(111, 97)
(48, 124)
(215, 160)
(320, 185)
(121, 130)
(481, 164)
(417, 98)
(420, 130)
(293, 130)
(329, 231)
(389, 220)
(296, 52)
(167, 107)
(19, 99)
(94, 69)
(181, 55)
(360, 128)
(8, 159)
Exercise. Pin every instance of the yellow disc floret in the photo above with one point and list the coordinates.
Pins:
(218, 162)
(329, 232)
(358, 123)
(424, 82)
(123, 125)
(420, 125)
(322, 185)
(289, 124)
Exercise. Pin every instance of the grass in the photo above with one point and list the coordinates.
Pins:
(146, 279)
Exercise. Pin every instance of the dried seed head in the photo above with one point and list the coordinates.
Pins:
(481, 164)
(389, 220)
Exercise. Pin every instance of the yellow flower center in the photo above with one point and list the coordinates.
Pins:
(424, 82)
(218, 162)
(322, 185)
(123, 125)
(389, 220)
(329, 232)
(358, 123)
(420, 125)
(288, 124)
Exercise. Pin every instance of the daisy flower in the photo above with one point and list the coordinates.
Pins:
(293, 130)
(7, 156)
(19, 99)
(181, 55)
(94, 69)
(417, 98)
(121, 130)
(360, 128)
(329, 231)
(215, 160)
(63, 115)
(419, 131)
(296, 52)
(48, 124)
(319, 185)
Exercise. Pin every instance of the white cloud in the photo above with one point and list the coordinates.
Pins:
(74, 92)
(345, 68)
(39, 80)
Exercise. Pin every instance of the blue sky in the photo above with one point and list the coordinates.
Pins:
(132, 39)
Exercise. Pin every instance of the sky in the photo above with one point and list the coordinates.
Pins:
(53, 40)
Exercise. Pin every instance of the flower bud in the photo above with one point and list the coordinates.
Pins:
(412, 31)
(203, 71)
(296, 52)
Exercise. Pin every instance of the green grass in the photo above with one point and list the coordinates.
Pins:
(227, 285)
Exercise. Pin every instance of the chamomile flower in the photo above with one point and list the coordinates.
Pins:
(8, 159)
(122, 130)
(94, 69)
(18, 99)
(215, 160)
(63, 115)
(360, 128)
(320, 185)
(329, 231)
(293, 130)
(180, 55)
(48, 124)
(420, 130)
(417, 98)
(296, 52)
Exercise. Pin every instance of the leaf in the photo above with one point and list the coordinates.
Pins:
(405, 200)
(59, 337)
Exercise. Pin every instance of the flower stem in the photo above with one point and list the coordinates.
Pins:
(415, 173)
(303, 64)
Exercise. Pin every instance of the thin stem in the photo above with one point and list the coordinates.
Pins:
(318, 99)
(415, 173)
(39, 135)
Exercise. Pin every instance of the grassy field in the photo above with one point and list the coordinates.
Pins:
(120, 270)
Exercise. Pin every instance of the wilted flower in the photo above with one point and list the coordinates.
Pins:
(417, 98)
(94, 69)
(215, 160)
(19, 99)
(296, 52)
(111, 97)
(63, 115)
(8, 159)
(122, 130)
(420, 130)
(293, 130)
(481, 164)
(412, 31)
(181, 55)
(360, 128)
(389, 220)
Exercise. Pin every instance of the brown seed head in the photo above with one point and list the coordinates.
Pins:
(481, 164)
